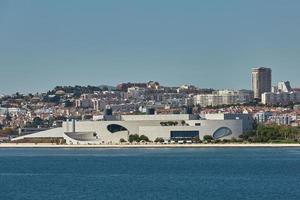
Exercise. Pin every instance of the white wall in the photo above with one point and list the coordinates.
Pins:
(55, 132)
(152, 129)
(173, 117)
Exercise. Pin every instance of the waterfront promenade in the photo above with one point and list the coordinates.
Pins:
(232, 145)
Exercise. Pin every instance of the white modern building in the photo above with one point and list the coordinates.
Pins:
(262, 117)
(87, 101)
(223, 97)
(135, 92)
(284, 86)
(247, 119)
(281, 94)
(282, 98)
(169, 127)
(281, 119)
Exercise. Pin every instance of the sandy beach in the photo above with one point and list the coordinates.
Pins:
(31, 145)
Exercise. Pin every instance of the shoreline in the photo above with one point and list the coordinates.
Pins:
(117, 146)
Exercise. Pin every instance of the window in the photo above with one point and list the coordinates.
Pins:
(113, 128)
(222, 132)
(184, 134)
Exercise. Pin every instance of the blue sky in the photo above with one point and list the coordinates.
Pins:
(208, 43)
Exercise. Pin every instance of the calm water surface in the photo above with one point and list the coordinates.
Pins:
(136, 174)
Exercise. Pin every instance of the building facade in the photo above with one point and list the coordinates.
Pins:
(284, 86)
(169, 127)
(223, 97)
(280, 98)
(261, 81)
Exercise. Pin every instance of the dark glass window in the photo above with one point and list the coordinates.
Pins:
(113, 128)
(184, 134)
(222, 132)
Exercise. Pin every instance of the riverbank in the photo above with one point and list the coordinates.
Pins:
(233, 145)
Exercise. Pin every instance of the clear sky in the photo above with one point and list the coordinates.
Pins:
(208, 43)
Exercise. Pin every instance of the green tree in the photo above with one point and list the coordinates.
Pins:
(122, 140)
(159, 140)
(144, 138)
(197, 139)
(208, 138)
(272, 133)
(134, 138)
(233, 140)
(37, 121)
(163, 123)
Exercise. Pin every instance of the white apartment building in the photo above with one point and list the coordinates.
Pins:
(83, 103)
(262, 117)
(223, 97)
(135, 92)
(284, 86)
(96, 104)
(86, 101)
(282, 98)
(281, 119)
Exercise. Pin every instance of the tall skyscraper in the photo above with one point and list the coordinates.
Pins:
(261, 81)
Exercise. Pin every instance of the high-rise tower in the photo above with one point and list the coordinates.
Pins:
(261, 81)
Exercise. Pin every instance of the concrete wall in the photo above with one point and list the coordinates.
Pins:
(55, 132)
(172, 117)
(153, 132)
(247, 119)
(152, 129)
(207, 127)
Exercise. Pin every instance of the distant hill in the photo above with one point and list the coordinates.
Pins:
(109, 87)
